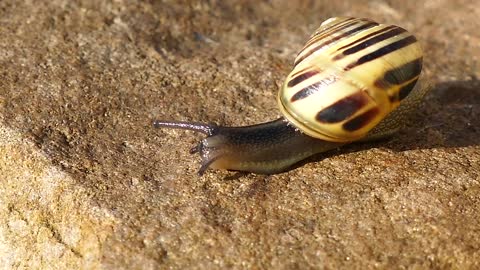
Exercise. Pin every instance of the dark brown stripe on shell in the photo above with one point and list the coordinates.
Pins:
(361, 120)
(404, 73)
(400, 75)
(337, 27)
(367, 43)
(343, 35)
(350, 32)
(367, 37)
(342, 109)
(405, 90)
(305, 92)
(325, 33)
(382, 51)
(313, 88)
(334, 25)
(300, 71)
(300, 78)
(393, 98)
(322, 34)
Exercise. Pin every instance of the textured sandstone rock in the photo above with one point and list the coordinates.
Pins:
(86, 182)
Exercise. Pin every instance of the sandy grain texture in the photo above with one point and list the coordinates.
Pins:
(86, 182)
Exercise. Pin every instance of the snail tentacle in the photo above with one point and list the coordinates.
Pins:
(207, 129)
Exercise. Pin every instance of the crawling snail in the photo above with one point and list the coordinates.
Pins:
(354, 80)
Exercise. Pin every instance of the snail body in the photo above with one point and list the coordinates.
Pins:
(354, 80)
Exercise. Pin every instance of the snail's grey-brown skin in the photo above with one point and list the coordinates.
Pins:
(275, 146)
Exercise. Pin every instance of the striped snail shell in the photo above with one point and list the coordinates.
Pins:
(354, 79)
(348, 77)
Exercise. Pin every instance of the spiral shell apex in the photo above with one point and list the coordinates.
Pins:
(349, 76)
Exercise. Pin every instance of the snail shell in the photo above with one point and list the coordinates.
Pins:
(355, 79)
(348, 77)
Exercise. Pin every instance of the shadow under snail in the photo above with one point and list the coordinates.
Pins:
(354, 80)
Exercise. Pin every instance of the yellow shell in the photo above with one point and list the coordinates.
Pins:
(348, 77)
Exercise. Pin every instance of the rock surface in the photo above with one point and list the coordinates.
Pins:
(86, 182)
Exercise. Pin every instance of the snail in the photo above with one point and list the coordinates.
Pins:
(354, 80)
